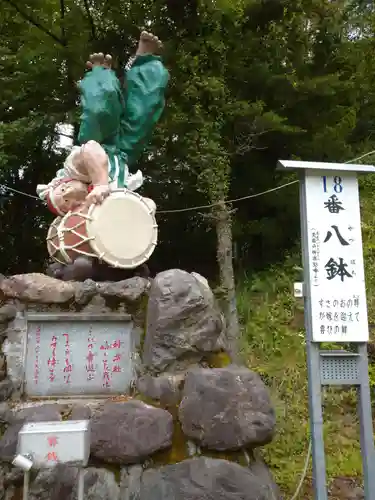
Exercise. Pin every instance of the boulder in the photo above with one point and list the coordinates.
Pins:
(226, 408)
(207, 479)
(5, 413)
(85, 292)
(6, 389)
(36, 287)
(3, 372)
(130, 481)
(130, 290)
(80, 412)
(166, 388)
(7, 313)
(182, 321)
(129, 432)
(60, 483)
(8, 441)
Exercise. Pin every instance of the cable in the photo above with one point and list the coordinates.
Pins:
(227, 201)
(19, 192)
(201, 207)
(360, 157)
(179, 209)
(304, 473)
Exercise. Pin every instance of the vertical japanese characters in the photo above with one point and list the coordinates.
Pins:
(338, 296)
(65, 361)
(90, 359)
(52, 442)
(52, 360)
(37, 353)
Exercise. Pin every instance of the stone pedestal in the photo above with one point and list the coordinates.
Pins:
(145, 360)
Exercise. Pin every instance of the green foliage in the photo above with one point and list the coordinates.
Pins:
(273, 345)
(251, 82)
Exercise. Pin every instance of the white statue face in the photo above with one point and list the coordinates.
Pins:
(69, 195)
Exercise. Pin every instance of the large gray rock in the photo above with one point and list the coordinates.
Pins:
(85, 292)
(130, 482)
(60, 483)
(166, 388)
(7, 313)
(226, 408)
(6, 389)
(182, 320)
(80, 412)
(3, 371)
(8, 441)
(36, 287)
(2, 486)
(207, 479)
(129, 290)
(129, 432)
(5, 413)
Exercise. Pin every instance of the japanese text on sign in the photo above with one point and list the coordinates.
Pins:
(78, 358)
(337, 292)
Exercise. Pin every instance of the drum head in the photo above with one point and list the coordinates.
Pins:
(123, 230)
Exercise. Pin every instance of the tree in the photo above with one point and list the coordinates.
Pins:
(251, 82)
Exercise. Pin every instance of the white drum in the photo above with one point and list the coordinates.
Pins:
(122, 231)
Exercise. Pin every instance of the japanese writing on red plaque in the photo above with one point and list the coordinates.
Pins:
(116, 358)
(37, 352)
(116, 368)
(52, 360)
(68, 366)
(90, 365)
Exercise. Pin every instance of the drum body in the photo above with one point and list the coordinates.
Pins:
(122, 231)
(53, 242)
(72, 233)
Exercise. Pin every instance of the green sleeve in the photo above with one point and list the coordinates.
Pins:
(146, 82)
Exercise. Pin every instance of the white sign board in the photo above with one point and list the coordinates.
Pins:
(337, 282)
(52, 443)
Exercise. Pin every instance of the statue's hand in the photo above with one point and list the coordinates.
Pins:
(97, 195)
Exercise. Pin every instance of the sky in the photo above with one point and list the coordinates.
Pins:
(64, 142)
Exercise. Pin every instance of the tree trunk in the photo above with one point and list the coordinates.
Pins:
(227, 283)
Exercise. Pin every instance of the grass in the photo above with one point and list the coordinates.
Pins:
(274, 346)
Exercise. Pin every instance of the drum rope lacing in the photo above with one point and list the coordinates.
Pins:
(63, 248)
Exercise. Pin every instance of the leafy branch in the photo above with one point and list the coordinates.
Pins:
(35, 23)
(90, 19)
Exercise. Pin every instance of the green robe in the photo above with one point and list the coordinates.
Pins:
(122, 119)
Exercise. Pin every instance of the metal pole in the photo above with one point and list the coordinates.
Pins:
(26, 482)
(313, 365)
(366, 427)
(81, 482)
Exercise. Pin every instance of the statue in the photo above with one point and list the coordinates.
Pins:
(116, 123)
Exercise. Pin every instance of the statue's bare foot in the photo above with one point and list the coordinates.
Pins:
(99, 60)
(148, 44)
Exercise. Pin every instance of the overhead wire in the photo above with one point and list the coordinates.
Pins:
(210, 205)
